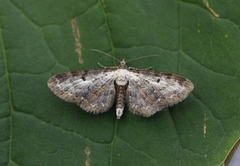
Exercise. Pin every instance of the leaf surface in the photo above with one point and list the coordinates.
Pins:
(38, 128)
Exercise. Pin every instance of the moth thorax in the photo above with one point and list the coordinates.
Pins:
(120, 100)
(122, 76)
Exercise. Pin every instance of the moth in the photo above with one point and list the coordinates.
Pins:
(145, 91)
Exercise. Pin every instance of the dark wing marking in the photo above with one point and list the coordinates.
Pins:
(92, 90)
(150, 91)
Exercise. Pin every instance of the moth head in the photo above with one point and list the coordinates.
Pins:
(122, 64)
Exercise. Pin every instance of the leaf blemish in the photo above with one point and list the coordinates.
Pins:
(76, 34)
(204, 125)
(209, 8)
(87, 151)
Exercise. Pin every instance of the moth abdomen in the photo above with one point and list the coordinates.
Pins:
(120, 99)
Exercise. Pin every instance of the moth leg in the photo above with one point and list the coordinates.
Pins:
(105, 67)
(133, 68)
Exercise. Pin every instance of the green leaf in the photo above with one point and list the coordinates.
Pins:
(38, 128)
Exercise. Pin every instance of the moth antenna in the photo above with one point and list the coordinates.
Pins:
(106, 54)
(142, 57)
